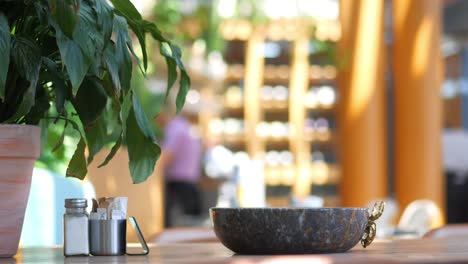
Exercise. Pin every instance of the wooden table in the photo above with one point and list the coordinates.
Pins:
(397, 251)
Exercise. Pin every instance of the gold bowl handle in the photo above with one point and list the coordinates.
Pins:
(371, 227)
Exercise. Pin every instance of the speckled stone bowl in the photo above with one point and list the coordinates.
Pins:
(289, 230)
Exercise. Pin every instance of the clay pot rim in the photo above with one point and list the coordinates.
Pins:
(20, 141)
(19, 125)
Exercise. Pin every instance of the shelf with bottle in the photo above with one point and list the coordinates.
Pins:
(279, 191)
(322, 51)
(276, 73)
(233, 111)
(233, 144)
(284, 29)
(220, 161)
(322, 137)
(236, 29)
(277, 200)
(290, 28)
(320, 97)
(233, 97)
(279, 175)
(276, 143)
(279, 167)
(281, 29)
(323, 164)
(277, 58)
(275, 131)
(275, 106)
(318, 130)
(228, 130)
(234, 57)
(323, 153)
(272, 115)
(320, 103)
(322, 173)
(328, 30)
(235, 72)
(322, 73)
(234, 52)
(274, 97)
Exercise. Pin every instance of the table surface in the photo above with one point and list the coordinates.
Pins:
(440, 250)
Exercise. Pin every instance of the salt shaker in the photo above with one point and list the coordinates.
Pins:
(75, 228)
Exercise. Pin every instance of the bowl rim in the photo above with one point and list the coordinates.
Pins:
(289, 208)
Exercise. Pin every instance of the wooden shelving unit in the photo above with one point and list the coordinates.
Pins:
(242, 99)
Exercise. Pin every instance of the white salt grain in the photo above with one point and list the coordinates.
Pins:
(75, 228)
(76, 241)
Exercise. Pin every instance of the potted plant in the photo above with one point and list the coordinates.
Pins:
(73, 58)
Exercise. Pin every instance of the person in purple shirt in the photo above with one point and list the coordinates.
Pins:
(180, 162)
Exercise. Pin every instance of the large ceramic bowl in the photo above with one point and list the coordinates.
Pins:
(289, 230)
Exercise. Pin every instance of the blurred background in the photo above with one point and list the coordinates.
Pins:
(294, 103)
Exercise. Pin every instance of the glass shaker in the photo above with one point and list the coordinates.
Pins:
(75, 228)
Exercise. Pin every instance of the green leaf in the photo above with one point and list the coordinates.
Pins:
(184, 83)
(137, 59)
(142, 151)
(25, 105)
(96, 137)
(171, 74)
(27, 60)
(113, 151)
(140, 34)
(65, 14)
(173, 55)
(184, 86)
(87, 34)
(126, 8)
(42, 11)
(44, 125)
(125, 110)
(142, 39)
(105, 19)
(122, 54)
(73, 58)
(62, 137)
(40, 108)
(164, 50)
(76, 127)
(77, 166)
(26, 56)
(59, 84)
(5, 39)
(112, 93)
(142, 119)
(177, 55)
(112, 66)
(90, 101)
(153, 30)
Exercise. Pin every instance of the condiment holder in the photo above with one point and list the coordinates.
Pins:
(108, 237)
(103, 233)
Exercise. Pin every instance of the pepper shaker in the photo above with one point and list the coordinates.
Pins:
(75, 228)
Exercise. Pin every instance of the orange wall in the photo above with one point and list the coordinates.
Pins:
(145, 200)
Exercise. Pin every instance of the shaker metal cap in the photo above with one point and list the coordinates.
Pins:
(76, 203)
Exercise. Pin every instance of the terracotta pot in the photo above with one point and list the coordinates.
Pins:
(19, 149)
